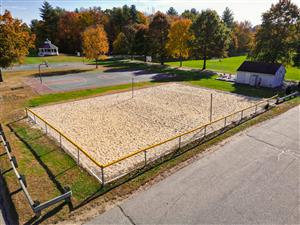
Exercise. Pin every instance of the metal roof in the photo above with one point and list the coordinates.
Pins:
(48, 44)
(259, 67)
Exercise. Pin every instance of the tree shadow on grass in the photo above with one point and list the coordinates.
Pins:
(161, 73)
(166, 73)
(49, 172)
(61, 72)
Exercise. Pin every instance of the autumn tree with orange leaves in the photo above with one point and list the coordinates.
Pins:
(178, 39)
(95, 43)
(15, 41)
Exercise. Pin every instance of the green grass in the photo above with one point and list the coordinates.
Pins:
(194, 77)
(54, 59)
(230, 65)
(57, 97)
(63, 168)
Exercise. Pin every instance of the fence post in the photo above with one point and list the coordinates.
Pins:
(225, 118)
(242, 114)
(204, 130)
(179, 142)
(145, 155)
(255, 108)
(60, 140)
(78, 156)
(102, 175)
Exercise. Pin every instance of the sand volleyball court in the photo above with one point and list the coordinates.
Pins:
(112, 126)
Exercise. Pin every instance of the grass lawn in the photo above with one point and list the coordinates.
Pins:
(230, 65)
(61, 165)
(195, 77)
(54, 59)
(48, 170)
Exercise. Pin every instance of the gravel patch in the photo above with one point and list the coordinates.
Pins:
(112, 126)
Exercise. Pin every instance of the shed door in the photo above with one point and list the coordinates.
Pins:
(253, 80)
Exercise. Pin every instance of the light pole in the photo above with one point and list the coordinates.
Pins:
(42, 64)
(211, 107)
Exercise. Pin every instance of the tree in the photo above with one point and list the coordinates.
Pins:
(158, 35)
(133, 14)
(296, 57)
(70, 31)
(130, 32)
(244, 37)
(172, 12)
(49, 26)
(211, 35)
(274, 40)
(228, 18)
(178, 39)
(15, 41)
(121, 45)
(141, 18)
(95, 43)
(190, 14)
(140, 45)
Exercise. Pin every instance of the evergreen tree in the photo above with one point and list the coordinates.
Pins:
(49, 26)
(228, 17)
(190, 14)
(133, 14)
(172, 12)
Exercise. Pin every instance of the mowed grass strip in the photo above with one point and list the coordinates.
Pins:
(60, 167)
(230, 65)
(55, 59)
(72, 95)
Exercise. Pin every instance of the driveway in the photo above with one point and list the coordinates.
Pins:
(254, 178)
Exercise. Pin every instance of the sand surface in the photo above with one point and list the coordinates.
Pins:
(112, 126)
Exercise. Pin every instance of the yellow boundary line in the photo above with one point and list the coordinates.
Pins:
(149, 147)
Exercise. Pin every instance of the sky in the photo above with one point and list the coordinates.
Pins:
(250, 10)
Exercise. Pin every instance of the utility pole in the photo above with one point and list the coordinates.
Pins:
(211, 105)
(132, 80)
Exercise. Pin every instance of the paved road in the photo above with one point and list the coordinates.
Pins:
(252, 179)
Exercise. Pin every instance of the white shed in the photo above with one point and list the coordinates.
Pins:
(261, 74)
(48, 49)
